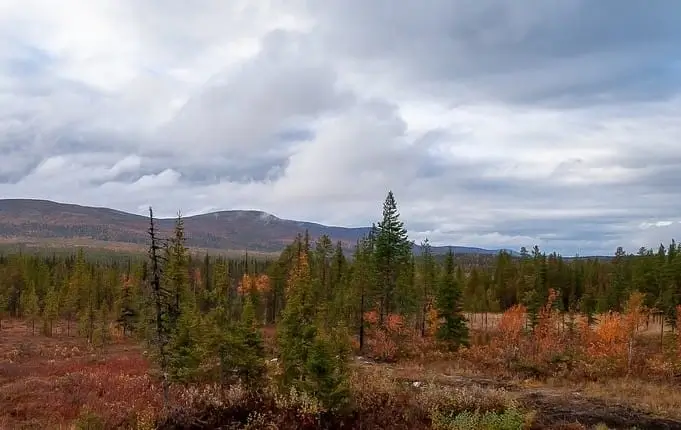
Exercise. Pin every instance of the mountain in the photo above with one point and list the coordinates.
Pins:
(42, 222)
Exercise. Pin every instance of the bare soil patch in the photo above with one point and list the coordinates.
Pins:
(559, 407)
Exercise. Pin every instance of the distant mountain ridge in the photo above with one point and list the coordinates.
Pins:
(39, 221)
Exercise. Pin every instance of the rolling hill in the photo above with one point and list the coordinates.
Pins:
(47, 223)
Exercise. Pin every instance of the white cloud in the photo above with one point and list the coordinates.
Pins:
(495, 126)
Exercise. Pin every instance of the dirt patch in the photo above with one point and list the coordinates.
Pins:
(557, 407)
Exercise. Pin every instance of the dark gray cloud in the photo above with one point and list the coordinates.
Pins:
(527, 51)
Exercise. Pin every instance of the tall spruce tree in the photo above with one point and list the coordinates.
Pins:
(185, 350)
(297, 330)
(392, 256)
(453, 331)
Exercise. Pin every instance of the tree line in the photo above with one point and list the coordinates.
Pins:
(203, 315)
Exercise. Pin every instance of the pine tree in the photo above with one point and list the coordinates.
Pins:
(392, 258)
(87, 314)
(176, 270)
(326, 370)
(30, 306)
(453, 331)
(340, 289)
(68, 302)
(4, 304)
(248, 351)
(427, 273)
(50, 309)
(363, 279)
(296, 331)
(237, 345)
(312, 361)
(185, 348)
(127, 309)
(101, 335)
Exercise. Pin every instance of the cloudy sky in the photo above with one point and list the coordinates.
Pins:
(496, 123)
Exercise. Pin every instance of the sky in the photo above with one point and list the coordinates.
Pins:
(495, 123)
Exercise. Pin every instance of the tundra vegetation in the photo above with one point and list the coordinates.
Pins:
(315, 338)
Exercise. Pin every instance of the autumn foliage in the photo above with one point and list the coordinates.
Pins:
(249, 283)
(567, 344)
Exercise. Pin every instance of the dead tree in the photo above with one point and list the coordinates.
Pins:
(160, 297)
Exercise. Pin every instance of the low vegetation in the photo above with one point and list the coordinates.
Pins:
(314, 339)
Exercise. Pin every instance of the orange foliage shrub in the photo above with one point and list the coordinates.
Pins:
(257, 283)
(382, 346)
(371, 317)
(607, 348)
(388, 341)
(395, 323)
(432, 322)
(512, 323)
(546, 338)
(635, 314)
(608, 339)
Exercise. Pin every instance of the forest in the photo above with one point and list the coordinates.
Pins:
(377, 338)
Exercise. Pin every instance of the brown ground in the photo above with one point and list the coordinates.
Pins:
(48, 382)
(557, 405)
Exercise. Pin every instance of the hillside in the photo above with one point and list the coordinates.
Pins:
(37, 222)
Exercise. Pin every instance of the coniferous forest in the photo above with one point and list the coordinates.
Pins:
(322, 338)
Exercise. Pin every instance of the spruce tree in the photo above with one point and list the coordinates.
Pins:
(427, 280)
(127, 309)
(238, 345)
(101, 335)
(453, 331)
(185, 349)
(362, 281)
(340, 291)
(297, 330)
(312, 361)
(87, 315)
(50, 309)
(392, 257)
(218, 342)
(30, 307)
(4, 304)
(68, 302)
(248, 351)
